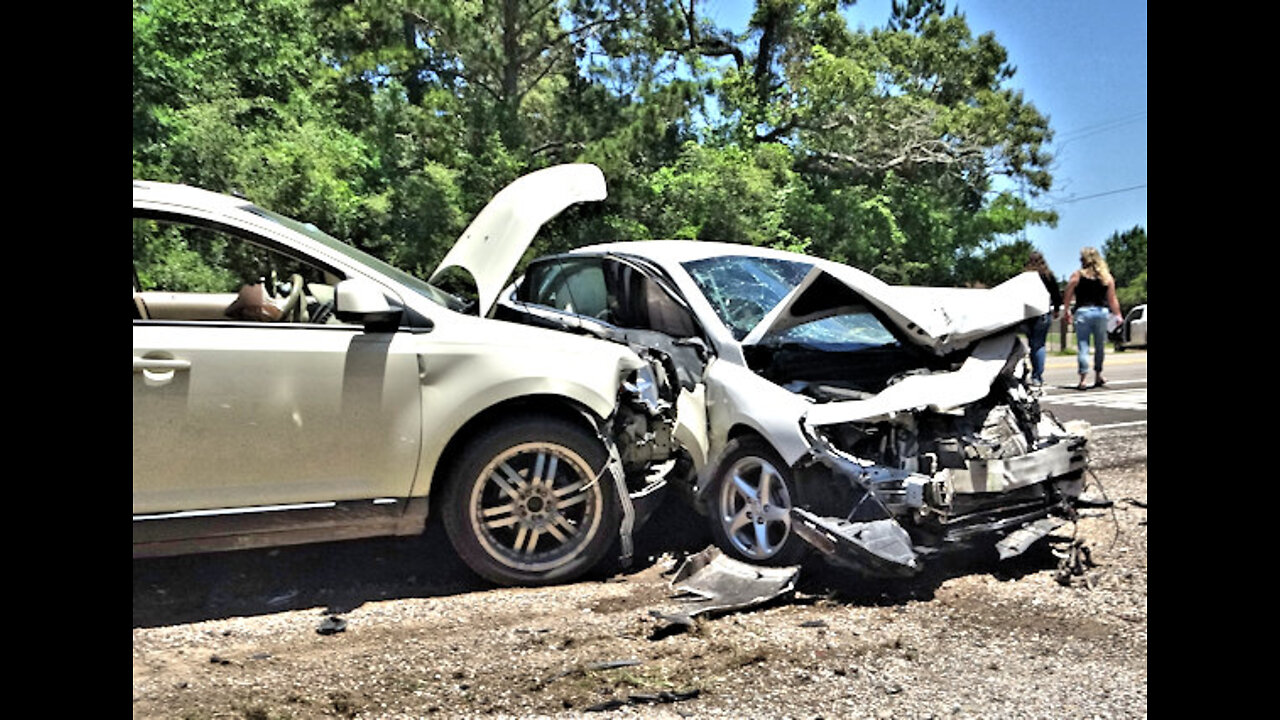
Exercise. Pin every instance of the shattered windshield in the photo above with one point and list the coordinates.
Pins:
(851, 331)
(743, 289)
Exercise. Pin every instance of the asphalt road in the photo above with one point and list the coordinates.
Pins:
(1122, 403)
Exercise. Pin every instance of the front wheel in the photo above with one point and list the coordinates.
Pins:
(751, 496)
(524, 506)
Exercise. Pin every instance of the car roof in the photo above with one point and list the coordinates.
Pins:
(679, 251)
(185, 195)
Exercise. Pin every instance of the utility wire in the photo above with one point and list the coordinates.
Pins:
(1096, 195)
(1098, 127)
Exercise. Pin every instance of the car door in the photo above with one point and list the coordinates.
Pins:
(234, 414)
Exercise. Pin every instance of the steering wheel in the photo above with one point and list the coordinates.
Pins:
(291, 310)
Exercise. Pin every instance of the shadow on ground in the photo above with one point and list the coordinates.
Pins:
(835, 584)
(340, 576)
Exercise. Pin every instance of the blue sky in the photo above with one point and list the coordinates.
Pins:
(1083, 63)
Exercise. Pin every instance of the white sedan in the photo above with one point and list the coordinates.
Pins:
(819, 407)
(290, 388)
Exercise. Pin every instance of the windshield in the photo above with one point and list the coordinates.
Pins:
(850, 331)
(743, 289)
(360, 257)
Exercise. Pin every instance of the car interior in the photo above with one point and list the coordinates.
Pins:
(191, 273)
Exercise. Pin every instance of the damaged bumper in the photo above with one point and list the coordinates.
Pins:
(895, 517)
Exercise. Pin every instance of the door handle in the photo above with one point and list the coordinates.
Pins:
(159, 364)
(158, 371)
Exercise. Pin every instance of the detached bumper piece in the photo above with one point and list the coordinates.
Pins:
(880, 547)
(712, 582)
(884, 547)
(1017, 542)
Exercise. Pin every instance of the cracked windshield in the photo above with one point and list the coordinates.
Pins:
(742, 290)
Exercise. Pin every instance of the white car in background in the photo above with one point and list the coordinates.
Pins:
(821, 408)
(289, 388)
(1133, 330)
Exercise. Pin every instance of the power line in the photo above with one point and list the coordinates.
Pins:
(1099, 127)
(1096, 195)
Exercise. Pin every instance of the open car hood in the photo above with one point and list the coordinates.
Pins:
(493, 243)
(941, 319)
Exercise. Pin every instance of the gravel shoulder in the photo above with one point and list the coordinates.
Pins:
(237, 635)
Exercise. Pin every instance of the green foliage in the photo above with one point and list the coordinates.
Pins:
(728, 194)
(1135, 293)
(390, 124)
(1126, 254)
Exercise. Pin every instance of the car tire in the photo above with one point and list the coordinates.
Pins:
(523, 505)
(750, 500)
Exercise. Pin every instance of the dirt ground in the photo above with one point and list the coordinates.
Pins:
(399, 628)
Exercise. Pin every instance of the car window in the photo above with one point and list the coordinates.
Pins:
(609, 290)
(639, 302)
(422, 287)
(576, 286)
(186, 271)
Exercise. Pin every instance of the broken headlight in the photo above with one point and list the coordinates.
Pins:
(642, 386)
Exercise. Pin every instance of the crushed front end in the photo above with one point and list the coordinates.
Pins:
(882, 493)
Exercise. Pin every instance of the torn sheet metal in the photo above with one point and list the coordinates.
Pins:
(1002, 475)
(1017, 542)
(939, 392)
(940, 318)
(879, 545)
(712, 582)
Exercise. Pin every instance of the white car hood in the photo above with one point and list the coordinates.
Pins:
(942, 319)
(493, 243)
(940, 392)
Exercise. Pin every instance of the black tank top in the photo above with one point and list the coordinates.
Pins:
(1090, 291)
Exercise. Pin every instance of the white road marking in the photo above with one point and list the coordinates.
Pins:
(1135, 399)
(1119, 425)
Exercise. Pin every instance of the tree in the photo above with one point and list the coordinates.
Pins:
(900, 133)
(390, 124)
(1126, 254)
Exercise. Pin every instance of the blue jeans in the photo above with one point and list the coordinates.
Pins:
(1037, 335)
(1091, 324)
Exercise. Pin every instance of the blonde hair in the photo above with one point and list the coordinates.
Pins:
(1093, 265)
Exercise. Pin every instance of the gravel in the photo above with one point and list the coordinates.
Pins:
(397, 628)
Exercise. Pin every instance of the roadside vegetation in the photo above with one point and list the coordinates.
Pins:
(899, 149)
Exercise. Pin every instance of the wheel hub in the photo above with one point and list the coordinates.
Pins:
(754, 507)
(536, 506)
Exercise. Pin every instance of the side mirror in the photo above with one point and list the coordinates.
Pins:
(361, 302)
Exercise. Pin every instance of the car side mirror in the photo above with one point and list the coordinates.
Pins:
(361, 302)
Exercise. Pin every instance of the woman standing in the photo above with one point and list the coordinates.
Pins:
(1038, 328)
(1094, 292)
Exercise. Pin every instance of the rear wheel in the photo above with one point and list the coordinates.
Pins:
(751, 496)
(523, 505)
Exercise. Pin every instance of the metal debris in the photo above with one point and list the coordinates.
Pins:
(879, 545)
(612, 664)
(664, 696)
(1017, 542)
(1073, 562)
(712, 582)
(332, 624)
